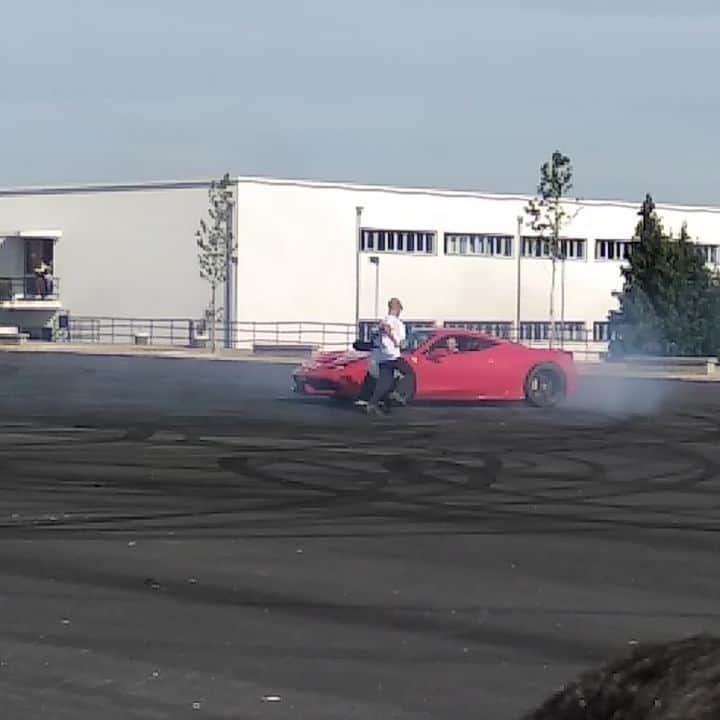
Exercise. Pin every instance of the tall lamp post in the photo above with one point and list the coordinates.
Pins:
(562, 300)
(358, 247)
(230, 276)
(518, 241)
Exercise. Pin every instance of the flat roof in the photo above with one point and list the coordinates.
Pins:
(335, 185)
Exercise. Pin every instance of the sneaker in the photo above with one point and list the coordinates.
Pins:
(398, 398)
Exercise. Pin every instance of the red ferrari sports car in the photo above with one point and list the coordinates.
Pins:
(447, 365)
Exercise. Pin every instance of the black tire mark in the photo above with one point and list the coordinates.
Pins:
(437, 478)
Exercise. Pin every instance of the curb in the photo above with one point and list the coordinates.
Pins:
(172, 354)
(585, 369)
(628, 374)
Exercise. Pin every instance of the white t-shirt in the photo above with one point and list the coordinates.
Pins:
(388, 350)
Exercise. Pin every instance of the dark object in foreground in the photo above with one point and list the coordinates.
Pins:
(672, 681)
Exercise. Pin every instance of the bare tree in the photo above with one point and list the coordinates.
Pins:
(548, 215)
(216, 246)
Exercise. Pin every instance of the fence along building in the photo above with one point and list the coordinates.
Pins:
(128, 252)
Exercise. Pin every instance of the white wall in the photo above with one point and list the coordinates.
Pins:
(295, 254)
(128, 253)
(297, 243)
(131, 252)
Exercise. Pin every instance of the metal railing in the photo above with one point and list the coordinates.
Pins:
(303, 336)
(111, 330)
(323, 335)
(187, 332)
(28, 288)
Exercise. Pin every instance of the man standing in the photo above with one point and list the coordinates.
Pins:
(387, 354)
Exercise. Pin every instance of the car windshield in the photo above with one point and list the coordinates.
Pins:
(417, 337)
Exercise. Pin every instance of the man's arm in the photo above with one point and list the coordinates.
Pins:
(387, 329)
(401, 335)
(396, 335)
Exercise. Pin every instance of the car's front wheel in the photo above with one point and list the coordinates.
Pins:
(545, 385)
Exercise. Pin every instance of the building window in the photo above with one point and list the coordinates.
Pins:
(499, 329)
(416, 325)
(38, 252)
(483, 245)
(409, 242)
(367, 327)
(613, 249)
(540, 331)
(568, 248)
(601, 332)
(711, 253)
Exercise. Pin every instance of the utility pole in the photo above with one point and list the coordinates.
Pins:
(230, 279)
(518, 243)
(562, 300)
(358, 245)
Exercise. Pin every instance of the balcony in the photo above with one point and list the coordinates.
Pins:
(29, 292)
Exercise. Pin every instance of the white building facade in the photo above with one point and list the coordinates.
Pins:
(129, 251)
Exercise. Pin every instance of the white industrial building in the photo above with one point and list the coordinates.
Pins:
(128, 252)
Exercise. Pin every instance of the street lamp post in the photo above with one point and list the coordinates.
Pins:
(358, 246)
(230, 277)
(517, 284)
(562, 300)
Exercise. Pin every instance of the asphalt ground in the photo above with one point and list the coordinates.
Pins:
(186, 539)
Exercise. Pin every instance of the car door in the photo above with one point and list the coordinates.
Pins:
(481, 373)
(470, 371)
(441, 368)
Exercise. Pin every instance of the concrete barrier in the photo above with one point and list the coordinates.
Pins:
(10, 335)
(695, 365)
(285, 350)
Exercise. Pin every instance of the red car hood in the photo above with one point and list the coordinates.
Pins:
(334, 360)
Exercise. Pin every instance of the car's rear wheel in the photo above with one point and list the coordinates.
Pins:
(406, 386)
(545, 385)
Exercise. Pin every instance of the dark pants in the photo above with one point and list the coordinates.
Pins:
(367, 388)
(385, 383)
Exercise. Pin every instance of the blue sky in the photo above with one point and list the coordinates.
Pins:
(448, 93)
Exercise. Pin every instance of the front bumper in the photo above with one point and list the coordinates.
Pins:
(324, 386)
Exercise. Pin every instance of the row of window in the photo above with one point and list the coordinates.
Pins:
(620, 250)
(486, 245)
(418, 243)
(489, 245)
(529, 331)
(569, 331)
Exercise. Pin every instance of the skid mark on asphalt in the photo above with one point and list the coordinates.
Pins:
(497, 472)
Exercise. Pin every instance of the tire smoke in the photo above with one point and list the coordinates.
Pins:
(618, 395)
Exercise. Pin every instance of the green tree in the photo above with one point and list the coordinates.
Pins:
(548, 215)
(215, 246)
(669, 301)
